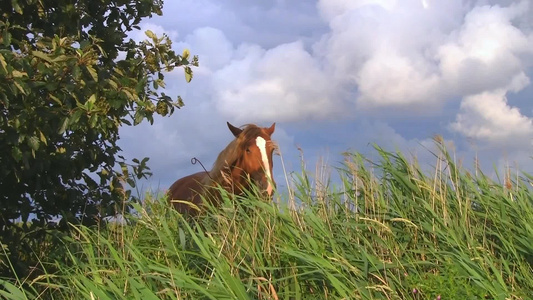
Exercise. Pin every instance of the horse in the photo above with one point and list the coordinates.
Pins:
(246, 161)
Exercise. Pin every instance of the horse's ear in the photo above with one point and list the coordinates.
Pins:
(236, 131)
(270, 130)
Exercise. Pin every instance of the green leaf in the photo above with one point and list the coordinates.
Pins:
(113, 84)
(140, 290)
(42, 56)
(124, 168)
(61, 58)
(179, 102)
(93, 73)
(16, 153)
(92, 120)
(90, 102)
(33, 142)
(145, 160)
(64, 125)
(188, 74)
(56, 100)
(3, 62)
(19, 87)
(18, 74)
(183, 241)
(43, 138)
(139, 116)
(10, 291)
(16, 6)
(76, 116)
(162, 108)
(150, 34)
(6, 38)
(76, 72)
(131, 96)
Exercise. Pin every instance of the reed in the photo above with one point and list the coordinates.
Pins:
(387, 231)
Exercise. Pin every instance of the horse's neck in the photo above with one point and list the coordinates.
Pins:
(230, 180)
(222, 175)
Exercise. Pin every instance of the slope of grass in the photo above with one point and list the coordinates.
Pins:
(389, 231)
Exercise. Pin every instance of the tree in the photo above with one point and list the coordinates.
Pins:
(69, 79)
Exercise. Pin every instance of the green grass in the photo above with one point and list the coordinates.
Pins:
(389, 231)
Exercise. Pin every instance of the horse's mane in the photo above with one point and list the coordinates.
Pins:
(230, 155)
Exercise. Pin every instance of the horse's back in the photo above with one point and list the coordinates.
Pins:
(187, 189)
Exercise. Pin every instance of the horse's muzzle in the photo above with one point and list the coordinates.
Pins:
(267, 187)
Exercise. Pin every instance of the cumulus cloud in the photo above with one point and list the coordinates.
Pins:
(487, 60)
(418, 55)
(412, 53)
(266, 23)
(284, 83)
(201, 41)
(330, 9)
(248, 83)
(487, 117)
(386, 50)
(415, 55)
(487, 51)
(361, 59)
(390, 79)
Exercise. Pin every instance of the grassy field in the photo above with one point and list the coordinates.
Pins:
(389, 231)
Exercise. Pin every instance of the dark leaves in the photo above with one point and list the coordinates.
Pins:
(64, 94)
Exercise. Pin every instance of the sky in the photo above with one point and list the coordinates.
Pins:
(342, 75)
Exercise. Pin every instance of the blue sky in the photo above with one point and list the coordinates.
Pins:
(338, 75)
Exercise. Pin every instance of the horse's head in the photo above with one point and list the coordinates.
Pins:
(253, 157)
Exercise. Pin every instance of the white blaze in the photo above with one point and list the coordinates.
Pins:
(261, 144)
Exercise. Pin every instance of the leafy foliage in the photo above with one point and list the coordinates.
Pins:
(69, 79)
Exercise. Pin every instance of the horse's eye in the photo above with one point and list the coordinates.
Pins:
(248, 150)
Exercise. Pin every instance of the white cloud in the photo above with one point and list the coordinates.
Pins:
(389, 79)
(488, 118)
(385, 50)
(362, 60)
(413, 53)
(331, 9)
(484, 62)
(487, 52)
(214, 50)
(266, 23)
(284, 83)
(406, 54)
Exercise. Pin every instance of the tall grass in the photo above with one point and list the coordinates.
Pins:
(388, 231)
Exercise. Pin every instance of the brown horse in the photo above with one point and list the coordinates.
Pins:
(246, 160)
